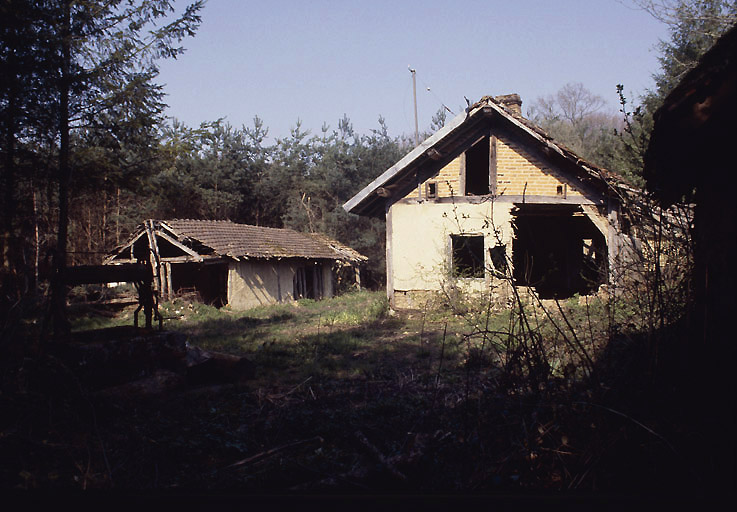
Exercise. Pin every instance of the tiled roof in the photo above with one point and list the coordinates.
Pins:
(227, 238)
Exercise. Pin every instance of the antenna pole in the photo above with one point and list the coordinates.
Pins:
(414, 94)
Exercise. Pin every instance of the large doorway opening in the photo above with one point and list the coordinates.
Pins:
(557, 250)
(208, 281)
(308, 282)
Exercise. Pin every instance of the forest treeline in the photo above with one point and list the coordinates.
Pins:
(214, 171)
(85, 139)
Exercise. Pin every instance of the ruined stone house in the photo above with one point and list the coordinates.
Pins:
(237, 264)
(491, 195)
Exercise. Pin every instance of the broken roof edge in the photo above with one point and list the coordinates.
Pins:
(609, 178)
(408, 159)
(341, 252)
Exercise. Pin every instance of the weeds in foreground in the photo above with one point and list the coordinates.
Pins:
(522, 395)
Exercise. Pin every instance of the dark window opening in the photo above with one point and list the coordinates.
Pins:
(558, 251)
(559, 190)
(468, 255)
(499, 260)
(477, 169)
(625, 224)
(432, 190)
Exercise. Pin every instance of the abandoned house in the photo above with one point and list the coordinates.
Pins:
(491, 195)
(237, 264)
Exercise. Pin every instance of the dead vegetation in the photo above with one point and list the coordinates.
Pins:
(539, 396)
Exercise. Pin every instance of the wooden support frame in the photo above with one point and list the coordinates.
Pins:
(137, 273)
(154, 257)
(178, 245)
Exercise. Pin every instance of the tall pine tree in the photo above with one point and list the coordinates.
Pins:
(102, 62)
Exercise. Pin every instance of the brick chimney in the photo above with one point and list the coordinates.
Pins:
(512, 101)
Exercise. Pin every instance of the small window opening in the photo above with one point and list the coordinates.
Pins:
(559, 190)
(477, 168)
(432, 190)
(499, 260)
(625, 225)
(468, 255)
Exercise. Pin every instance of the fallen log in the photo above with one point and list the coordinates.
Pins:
(205, 367)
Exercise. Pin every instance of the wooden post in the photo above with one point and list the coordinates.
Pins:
(169, 285)
(389, 255)
(492, 165)
(164, 282)
(154, 254)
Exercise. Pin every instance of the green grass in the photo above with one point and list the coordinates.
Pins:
(354, 336)
(329, 370)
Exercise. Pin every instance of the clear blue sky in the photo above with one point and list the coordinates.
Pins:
(316, 60)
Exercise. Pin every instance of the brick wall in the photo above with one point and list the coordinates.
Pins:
(449, 178)
(519, 171)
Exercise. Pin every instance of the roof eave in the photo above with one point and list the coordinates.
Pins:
(363, 202)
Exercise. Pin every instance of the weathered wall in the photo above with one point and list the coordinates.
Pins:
(257, 283)
(520, 171)
(328, 281)
(420, 245)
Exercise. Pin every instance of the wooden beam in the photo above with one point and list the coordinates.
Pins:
(169, 286)
(129, 245)
(492, 165)
(504, 198)
(99, 274)
(178, 244)
(153, 248)
(434, 154)
(462, 177)
(389, 256)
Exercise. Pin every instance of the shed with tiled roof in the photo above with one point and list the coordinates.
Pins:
(239, 264)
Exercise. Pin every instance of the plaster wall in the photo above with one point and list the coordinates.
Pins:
(257, 283)
(421, 243)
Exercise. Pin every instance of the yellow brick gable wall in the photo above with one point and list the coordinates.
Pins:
(519, 171)
(449, 179)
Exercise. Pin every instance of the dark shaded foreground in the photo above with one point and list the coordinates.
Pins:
(409, 431)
